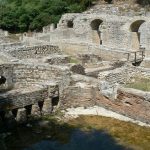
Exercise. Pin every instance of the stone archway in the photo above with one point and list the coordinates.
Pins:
(136, 34)
(96, 33)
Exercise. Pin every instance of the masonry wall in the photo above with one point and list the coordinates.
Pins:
(126, 103)
(115, 31)
(124, 75)
(82, 48)
(30, 74)
(8, 46)
(6, 71)
(22, 97)
(34, 52)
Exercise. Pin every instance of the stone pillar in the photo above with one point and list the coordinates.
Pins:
(47, 107)
(52, 27)
(21, 115)
(6, 33)
(35, 110)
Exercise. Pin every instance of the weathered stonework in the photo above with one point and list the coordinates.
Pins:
(38, 78)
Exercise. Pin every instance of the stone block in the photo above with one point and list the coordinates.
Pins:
(21, 115)
(47, 107)
(108, 90)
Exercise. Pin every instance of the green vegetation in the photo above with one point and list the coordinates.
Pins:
(25, 15)
(140, 84)
(74, 60)
(144, 2)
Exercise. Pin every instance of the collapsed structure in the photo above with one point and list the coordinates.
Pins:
(85, 61)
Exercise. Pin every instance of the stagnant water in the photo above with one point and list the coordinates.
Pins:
(58, 137)
(93, 140)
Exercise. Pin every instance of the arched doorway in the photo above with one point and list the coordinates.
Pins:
(96, 33)
(136, 34)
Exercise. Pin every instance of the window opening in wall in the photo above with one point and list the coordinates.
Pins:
(28, 109)
(55, 101)
(2, 80)
(70, 24)
(109, 1)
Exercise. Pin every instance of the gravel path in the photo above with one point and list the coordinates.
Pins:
(100, 111)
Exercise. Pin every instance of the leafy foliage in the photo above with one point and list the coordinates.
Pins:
(144, 2)
(24, 15)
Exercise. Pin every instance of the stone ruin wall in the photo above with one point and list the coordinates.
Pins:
(7, 72)
(28, 84)
(34, 51)
(124, 74)
(9, 46)
(115, 35)
(115, 31)
(28, 74)
(3, 33)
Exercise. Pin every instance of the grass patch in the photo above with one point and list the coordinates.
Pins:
(140, 84)
(74, 60)
(127, 134)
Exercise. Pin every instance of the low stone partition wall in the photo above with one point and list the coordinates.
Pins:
(19, 98)
(80, 95)
(126, 103)
(80, 92)
(77, 48)
(35, 51)
(56, 59)
(124, 74)
(89, 58)
(9, 46)
(25, 74)
(146, 63)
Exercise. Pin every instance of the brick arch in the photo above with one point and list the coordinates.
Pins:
(95, 24)
(136, 34)
(96, 33)
(134, 27)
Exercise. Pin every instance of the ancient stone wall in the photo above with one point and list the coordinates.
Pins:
(86, 94)
(27, 74)
(9, 46)
(109, 32)
(19, 98)
(56, 59)
(124, 74)
(6, 77)
(76, 96)
(34, 51)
